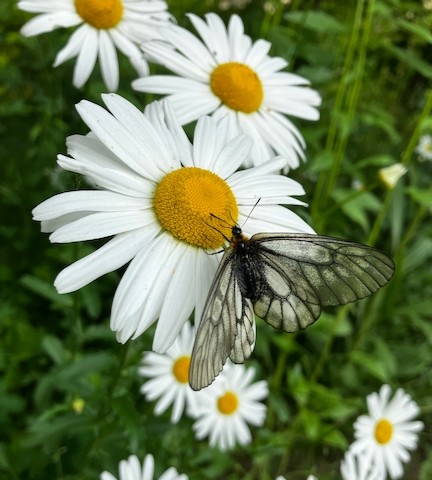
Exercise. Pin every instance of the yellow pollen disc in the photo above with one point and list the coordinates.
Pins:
(228, 403)
(196, 206)
(383, 431)
(101, 14)
(181, 368)
(238, 87)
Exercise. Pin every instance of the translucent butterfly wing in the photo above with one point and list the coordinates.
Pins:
(303, 272)
(226, 328)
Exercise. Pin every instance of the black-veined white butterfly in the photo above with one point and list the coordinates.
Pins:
(285, 279)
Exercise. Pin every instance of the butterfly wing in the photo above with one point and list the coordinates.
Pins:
(226, 328)
(301, 273)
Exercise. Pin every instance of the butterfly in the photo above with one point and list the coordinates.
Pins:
(285, 279)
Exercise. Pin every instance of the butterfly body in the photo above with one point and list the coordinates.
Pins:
(246, 268)
(285, 279)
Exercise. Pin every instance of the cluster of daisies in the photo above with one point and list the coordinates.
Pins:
(166, 202)
(224, 411)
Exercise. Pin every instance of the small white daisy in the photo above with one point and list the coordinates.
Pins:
(167, 204)
(386, 434)
(228, 405)
(227, 75)
(168, 375)
(424, 147)
(131, 469)
(392, 174)
(104, 25)
(357, 466)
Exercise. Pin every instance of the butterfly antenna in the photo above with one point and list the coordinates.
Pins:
(250, 213)
(217, 230)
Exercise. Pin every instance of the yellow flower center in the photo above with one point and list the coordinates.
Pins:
(196, 206)
(101, 14)
(383, 431)
(238, 87)
(181, 369)
(228, 403)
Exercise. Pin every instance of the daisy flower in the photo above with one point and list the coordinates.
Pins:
(424, 147)
(103, 26)
(359, 467)
(227, 75)
(167, 203)
(387, 433)
(131, 469)
(228, 405)
(168, 375)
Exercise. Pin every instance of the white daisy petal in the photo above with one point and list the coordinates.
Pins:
(113, 255)
(86, 201)
(72, 47)
(87, 57)
(108, 61)
(135, 288)
(233, 155)
(131, 469)
(178, 303)
(131, 148)
(47, 22)
(101, 225)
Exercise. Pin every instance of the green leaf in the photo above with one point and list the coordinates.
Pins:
(418, 30)
(317, 21)
(357, 206)
(46, 290)
(423, 197)
(335, 438)
(411, 59)
(371, 364)
(426, 468)
(54, 348)
(311, 424)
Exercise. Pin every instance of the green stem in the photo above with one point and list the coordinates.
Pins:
(325, 352)
(407, 155)
(338, 133)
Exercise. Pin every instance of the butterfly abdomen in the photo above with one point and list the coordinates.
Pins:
(248, 270)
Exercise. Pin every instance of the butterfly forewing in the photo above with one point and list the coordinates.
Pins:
(323, 270)
(287, 278)
(226, 327)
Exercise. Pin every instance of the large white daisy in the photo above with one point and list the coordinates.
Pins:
(168, 375)
(167, 203)
(387, 434)
(228, 405)
(131, 469)
(104, 25)
(227, 75)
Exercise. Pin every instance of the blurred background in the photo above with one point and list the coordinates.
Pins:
(70, 405)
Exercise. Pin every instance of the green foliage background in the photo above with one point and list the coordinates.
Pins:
(372, 63)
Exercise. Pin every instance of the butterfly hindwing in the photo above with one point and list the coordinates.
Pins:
(226, 328)
(300, 273)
